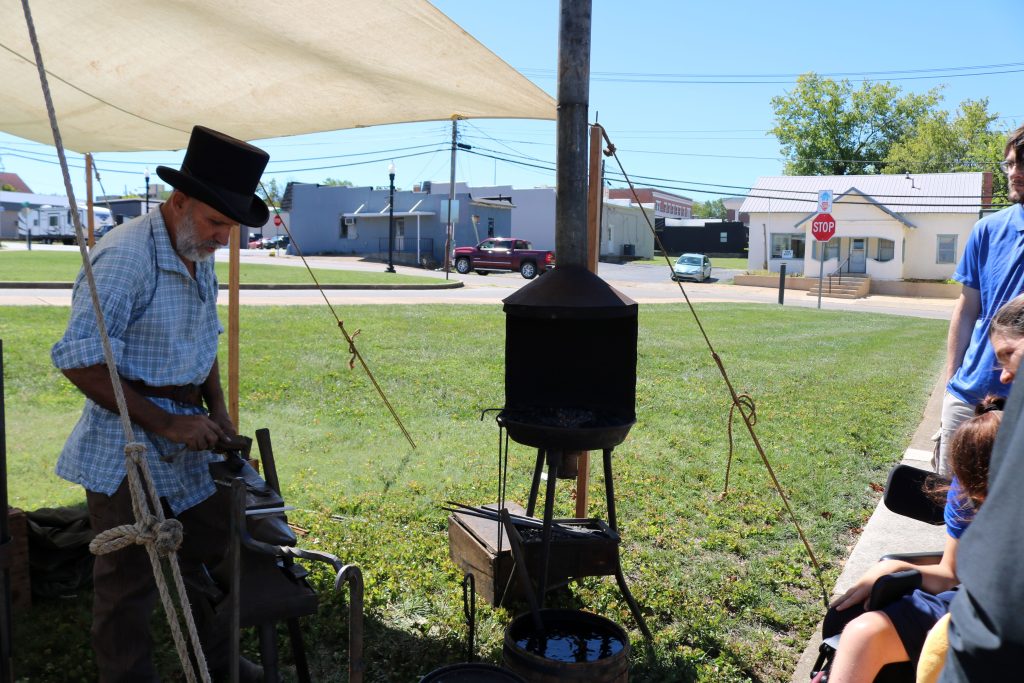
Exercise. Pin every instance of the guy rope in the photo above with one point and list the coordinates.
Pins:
(741, 403)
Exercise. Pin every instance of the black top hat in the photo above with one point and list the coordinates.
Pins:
(223, 172)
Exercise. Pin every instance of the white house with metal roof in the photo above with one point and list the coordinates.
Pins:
(888, 227)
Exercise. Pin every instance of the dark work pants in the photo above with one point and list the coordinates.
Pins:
(125, 591)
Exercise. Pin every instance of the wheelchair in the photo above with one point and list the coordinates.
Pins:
(905, 494)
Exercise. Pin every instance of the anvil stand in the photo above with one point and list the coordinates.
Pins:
(554, 460)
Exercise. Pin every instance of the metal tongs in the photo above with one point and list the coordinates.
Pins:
(235, 450)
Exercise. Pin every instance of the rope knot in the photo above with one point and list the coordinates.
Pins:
(165, 536)
(352, 350)
(134, 450)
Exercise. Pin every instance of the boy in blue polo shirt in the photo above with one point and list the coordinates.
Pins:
(992, 272)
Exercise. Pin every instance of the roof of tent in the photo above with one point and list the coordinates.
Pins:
(139, 75)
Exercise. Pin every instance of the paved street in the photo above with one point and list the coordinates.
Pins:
(645, 284)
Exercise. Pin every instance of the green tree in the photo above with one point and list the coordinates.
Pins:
(270, 192)
(941, 143)
(334, 182)
(709, 209)
(825, 127)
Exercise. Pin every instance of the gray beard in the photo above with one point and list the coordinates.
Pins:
(189, 246)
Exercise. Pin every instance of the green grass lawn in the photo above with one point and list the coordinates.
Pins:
(725, 584)
(63, 266)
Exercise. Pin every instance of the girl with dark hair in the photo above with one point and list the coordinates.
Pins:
(897, 632)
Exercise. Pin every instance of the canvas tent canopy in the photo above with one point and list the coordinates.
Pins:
(138, 76)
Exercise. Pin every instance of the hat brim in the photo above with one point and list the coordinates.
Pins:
(253, 213)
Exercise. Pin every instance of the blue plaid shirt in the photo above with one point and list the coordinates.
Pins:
(163, 329)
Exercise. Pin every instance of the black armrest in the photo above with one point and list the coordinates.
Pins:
(924, 557)
(891, 587)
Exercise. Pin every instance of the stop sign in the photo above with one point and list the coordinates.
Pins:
(277, 220)
(823, 227)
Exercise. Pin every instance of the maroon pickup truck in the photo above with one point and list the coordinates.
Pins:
(503, 254)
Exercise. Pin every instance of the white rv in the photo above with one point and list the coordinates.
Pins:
(53, 223)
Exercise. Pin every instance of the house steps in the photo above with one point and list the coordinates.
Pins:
(847, 287)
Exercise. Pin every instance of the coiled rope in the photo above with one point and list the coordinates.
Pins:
(740, 402)
(159, 536)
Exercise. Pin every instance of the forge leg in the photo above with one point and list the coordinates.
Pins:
(531, 505)
(268, 652)
(298, 651)
(631, 601)
(554, 460)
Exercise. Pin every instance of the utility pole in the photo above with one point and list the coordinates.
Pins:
(450, 233)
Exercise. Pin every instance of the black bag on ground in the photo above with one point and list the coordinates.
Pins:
(58, 550)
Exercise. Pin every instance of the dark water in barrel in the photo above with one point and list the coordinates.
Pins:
(578, 643)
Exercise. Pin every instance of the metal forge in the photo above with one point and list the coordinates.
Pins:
(572, 329)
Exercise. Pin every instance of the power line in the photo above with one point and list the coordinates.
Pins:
(272, 161)
(811, 197)
(760, 79)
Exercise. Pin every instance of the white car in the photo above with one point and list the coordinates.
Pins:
(695, 267)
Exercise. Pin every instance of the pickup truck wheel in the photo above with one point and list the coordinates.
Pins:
(528, 270)
(462, 265)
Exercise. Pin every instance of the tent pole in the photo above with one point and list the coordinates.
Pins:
(88, 201)
(6, 545)
(234, 247)
(593, 219)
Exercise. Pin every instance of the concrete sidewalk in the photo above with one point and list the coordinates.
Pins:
(885, 531)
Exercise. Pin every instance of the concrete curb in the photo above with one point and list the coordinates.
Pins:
(257, 286)
(886, 531)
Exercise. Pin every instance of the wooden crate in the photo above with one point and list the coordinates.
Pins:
(473, 546)
(21, 588)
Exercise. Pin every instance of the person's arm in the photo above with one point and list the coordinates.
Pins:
(197, 432)
(213, 395)
(961, 326)
(935, 578)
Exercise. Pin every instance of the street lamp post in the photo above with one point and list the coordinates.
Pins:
(391, 217)
(147, 189)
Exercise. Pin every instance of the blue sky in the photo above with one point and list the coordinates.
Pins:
(683, 88)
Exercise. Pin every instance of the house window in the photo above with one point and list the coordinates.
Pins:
(831, 249)
(723, 237)
(945, 251)
(53, 221)
(490, 226)
(787, 242)
(886, 250)
(347, 228)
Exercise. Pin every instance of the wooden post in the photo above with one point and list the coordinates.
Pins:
(88, 202)
(595, 197)
(234, 247)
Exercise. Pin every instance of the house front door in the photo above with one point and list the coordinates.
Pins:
(858, 255)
